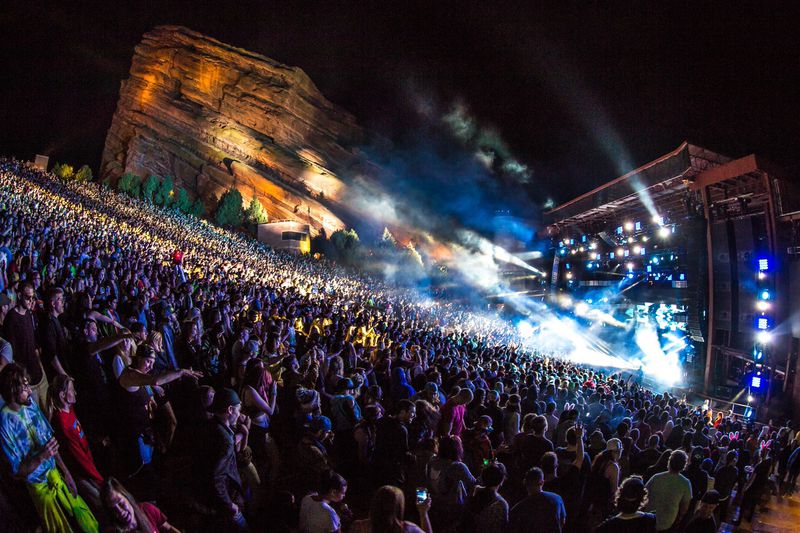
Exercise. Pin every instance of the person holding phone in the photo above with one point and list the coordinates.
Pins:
(387, 510)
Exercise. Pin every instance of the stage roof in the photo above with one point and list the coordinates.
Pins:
(664, 181)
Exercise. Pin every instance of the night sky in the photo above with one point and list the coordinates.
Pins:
(579, 95)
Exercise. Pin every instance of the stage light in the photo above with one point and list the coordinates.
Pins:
(619, 230)
(566, 242)
(637, 226)
(658, 220)
(637, 250)
(594, 255)
(755, 382)
(763, 264)
(629, 226)
(764, 295)
(750, 398)
(762, 276)
(630, 240)
(654, 260)
(762, 323)
(758, 355)
(574, 252)
(620, 251)
(569, 275)
(630, 266)
(581, 249)
(762, 305)
(645, 238)
(592, 245)
(664, 232)
(764, 337)
(748, 412)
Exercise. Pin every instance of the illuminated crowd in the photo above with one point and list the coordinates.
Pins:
(160, 374)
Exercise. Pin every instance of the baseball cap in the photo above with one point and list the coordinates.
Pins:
(225, 398)
(320, 423)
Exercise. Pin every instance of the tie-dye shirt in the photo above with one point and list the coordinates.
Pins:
(23, 434)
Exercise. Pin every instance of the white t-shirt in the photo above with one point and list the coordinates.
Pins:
(317, 516)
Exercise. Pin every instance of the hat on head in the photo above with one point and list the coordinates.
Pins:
(225, 398)
(711, 497)
(320, 423)
(614, 445)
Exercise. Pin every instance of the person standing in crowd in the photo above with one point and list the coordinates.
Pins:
(392, 449)
(670, 493)
(28, 444)
(453, 413)
(227, 433)
(52, 336)
(68, 430)
(703, 520)
(19, 329)
(540, 511)
(387, 512)
(630, 518)
(317, 514)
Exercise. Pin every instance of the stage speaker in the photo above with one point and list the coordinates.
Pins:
(746, 274)
(721, 265)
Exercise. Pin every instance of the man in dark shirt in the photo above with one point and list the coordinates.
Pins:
(724, 480)
(535, 445)
(540, 511)
(52, 337)
(565, 476)
(391, 445)
(649, 456)
(19, 329)
(221, 479)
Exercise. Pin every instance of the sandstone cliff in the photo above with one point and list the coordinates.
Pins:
(212, 115)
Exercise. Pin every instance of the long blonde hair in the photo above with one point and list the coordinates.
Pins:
(59, 384)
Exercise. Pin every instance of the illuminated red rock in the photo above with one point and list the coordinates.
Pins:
(212, 115)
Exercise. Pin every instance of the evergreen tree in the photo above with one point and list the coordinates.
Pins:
(229, 210)
(128, 183)
(164, 192)
(198, 208)
(84, 174)
(346, 246)
(149, 187)
(63, 170)
(182, 201)
(255, 212)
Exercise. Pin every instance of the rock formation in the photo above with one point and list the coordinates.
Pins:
(212, 115)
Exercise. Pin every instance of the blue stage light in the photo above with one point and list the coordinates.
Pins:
(762, 323)
(638, 226)
(683, 277)
(763, 265)
(619, 230)
(755, 382)
(764, 295)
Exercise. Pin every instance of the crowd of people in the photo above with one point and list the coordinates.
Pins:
(163, 374)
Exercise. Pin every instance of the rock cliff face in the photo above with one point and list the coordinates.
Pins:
(212, 115)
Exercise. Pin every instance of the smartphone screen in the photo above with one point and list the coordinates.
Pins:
(422, 495)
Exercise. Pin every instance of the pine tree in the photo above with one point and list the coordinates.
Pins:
(84, 174)
(255, 212)
(182, 201)
(149, 187)
(63, 170)
(229, 210)
(198, 208)
(164, 192)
